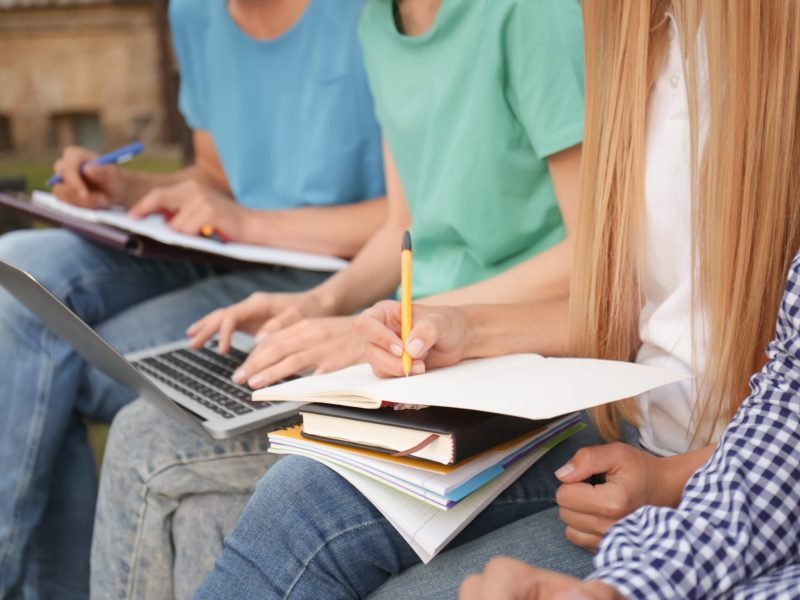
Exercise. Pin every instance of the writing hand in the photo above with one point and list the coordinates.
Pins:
(438, 338)
(87, 185)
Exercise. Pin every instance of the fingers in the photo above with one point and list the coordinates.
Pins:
(582, 539)
(288, 316)
(592, 460)
(73, 188)
(385, 364)
(319, 345)
(156, 200)
(380, 325)
(105, 183)
(203, 330)
(84, 184)
(609, 500)
(294, 364)
(227, 327)
(507, 579)
(588, 523)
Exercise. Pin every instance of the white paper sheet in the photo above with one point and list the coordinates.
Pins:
(154, 227)
(426, 528)
(522, 385)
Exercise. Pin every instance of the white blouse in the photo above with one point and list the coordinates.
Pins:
(665, 326)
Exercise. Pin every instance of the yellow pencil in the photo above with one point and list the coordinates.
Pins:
(405, 299)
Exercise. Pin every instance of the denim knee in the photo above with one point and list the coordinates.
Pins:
(293, 477)
(52, 256)
(127, 447)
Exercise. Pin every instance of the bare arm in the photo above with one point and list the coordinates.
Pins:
(375, 271)
(546, 275)
(337, 230)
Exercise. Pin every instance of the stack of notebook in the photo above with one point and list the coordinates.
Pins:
(428, 461)
(431, 471)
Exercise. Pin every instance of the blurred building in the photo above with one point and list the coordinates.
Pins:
(98, 73)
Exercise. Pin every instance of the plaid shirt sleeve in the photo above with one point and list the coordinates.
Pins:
(736, 532)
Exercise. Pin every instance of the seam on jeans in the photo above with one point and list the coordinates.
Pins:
(37, 423)
(323, 545)
(205, 459)
(136, 552)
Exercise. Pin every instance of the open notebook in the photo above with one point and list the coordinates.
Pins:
(155, 228)
(521, 385)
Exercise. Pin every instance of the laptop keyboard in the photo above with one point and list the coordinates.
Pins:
(204, 376)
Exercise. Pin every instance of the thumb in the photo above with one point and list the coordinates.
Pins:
(592, 460)
(424, 335)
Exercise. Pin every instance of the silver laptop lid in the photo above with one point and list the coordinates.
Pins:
(66, 324)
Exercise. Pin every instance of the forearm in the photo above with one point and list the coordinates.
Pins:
(543, 277)
(372, 275)
(725, 530)
(676, 472)
(336, 230)
(495, 330)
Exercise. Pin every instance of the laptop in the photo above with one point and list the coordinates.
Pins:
(191, 385)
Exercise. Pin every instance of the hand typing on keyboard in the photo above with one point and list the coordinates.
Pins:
(311, 345)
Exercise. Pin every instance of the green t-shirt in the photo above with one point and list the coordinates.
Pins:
(470, 111)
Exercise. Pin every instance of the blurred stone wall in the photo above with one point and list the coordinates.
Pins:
(69, 74)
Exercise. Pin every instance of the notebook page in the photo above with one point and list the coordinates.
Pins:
(427, 529)
(155, 227)
(523, 385)
(50, 201)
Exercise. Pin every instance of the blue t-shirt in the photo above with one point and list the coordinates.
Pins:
(291, 118)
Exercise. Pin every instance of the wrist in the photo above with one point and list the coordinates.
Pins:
(472, 342)
(244, 225)
(253, 225)
(326, 301)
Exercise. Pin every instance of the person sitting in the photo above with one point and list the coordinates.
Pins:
(735, 533)
(287, 154)
(490, 146)
(669, 258)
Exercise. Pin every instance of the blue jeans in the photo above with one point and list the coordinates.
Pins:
(307, 533)
(49, 483)
(168, 496)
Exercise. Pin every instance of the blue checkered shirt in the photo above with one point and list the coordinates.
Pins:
(736, 532)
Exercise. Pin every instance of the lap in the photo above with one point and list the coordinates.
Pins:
(148, 448)
(93, 280)
(199, 527)
(537, 540)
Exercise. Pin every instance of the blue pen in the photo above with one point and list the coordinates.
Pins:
(116, 157)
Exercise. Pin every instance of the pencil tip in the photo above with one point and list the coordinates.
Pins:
(406, 240)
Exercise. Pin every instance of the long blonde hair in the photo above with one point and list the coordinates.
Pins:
(746, 187)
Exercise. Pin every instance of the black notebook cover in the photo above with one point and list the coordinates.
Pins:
(473, 431)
